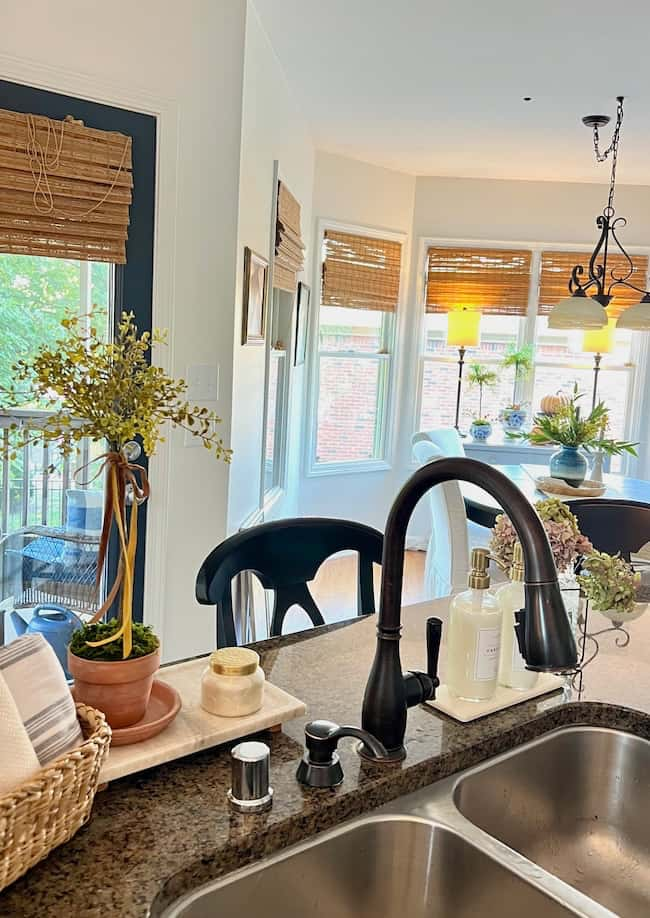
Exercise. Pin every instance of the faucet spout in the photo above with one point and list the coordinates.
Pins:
(544, 631)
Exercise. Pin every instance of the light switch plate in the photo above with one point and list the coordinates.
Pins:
(203, 382)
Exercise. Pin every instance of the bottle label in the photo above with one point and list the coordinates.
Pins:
(486, 662)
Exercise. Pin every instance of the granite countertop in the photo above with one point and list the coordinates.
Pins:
(155, 835)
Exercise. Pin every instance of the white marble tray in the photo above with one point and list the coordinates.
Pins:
(194, 729)
(465, 711)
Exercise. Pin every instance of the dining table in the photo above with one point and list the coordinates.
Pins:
(483, 509)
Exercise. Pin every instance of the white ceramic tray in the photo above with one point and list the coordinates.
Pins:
(194, 729)
(465, 711)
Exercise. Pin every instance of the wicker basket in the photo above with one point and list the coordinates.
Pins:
(47, 810)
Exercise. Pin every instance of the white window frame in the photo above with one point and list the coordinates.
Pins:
(527, 328)
(390, 337)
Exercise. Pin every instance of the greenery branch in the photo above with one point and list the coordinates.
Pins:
(570, 427)
(103, 390)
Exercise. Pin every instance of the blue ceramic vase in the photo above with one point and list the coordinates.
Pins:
(513, 419)
(480, 432)
(570, 465)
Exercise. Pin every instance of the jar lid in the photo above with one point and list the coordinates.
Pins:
(234, 661)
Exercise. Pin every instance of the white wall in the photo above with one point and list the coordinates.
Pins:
(183, 62)
(350, 191)
(273, 128)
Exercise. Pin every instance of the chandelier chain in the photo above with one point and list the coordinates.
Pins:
(602, 155)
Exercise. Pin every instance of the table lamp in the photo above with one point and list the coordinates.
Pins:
(598, 342)
(463, 330)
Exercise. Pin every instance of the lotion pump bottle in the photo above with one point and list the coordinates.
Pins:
(512, 668)
(474, 636)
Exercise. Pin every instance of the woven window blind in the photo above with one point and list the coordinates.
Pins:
(65, 189)
(361, 272)
(289, 248)
(494, 281)
(556, 271)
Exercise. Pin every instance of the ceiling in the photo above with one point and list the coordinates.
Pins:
(435, 87)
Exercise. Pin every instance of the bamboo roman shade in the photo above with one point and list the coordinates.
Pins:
(65, 189)
(289, 248)
(361, 272)
(494, 281)
(556, 271)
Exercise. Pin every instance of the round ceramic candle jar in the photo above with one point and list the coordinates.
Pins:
(232, 684)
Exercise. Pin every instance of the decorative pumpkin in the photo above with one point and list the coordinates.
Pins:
(551, 404)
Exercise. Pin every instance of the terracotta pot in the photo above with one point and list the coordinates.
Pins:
(120, 689)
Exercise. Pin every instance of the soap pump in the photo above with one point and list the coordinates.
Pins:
(474, 640)
(510, 596)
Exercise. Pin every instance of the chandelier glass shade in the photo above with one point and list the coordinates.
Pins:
(593, 287)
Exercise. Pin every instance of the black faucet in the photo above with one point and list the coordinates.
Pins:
(543, 630)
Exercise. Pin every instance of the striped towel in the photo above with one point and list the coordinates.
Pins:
(36, 680)
(19, 760)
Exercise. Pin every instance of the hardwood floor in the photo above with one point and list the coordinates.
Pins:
(335, 591)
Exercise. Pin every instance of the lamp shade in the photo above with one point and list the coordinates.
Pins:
(577, 311)
(463, 327)
(636, 318)
(600, 340)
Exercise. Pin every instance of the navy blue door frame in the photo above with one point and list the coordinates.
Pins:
(134, 280)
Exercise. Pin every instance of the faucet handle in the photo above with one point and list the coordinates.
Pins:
(434, 637)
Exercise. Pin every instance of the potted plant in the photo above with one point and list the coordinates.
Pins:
(611, 585)
(481, 376)
(568, 544)
(514, 415)
(572, 432)
(108, 392)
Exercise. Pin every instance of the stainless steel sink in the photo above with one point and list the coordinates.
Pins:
(378, 867)
(559, 826)
(577, 803)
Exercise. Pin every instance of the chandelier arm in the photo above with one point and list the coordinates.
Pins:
(575, 284)
(625, 283)
(596, 271)
(620, 221)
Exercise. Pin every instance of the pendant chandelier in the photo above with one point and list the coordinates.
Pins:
(593, 289)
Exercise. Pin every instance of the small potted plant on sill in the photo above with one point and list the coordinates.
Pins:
(611, 585)
(108, 392)
(514, 415)
(481, 376)
(573, 432)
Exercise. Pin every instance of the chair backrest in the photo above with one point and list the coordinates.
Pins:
(448, 551)
(285, 555)
(447, 439)
(613, 525)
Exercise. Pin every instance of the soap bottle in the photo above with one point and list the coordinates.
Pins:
(512, 667)
(474, 638)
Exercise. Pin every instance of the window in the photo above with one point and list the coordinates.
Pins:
(561, 360)
(42, 502)
(356, 332)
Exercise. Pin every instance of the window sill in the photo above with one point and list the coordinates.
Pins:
(348, 468)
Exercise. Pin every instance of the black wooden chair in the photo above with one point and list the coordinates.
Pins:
(613, 525)
(285, 555)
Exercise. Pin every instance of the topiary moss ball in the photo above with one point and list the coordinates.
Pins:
(144, 642)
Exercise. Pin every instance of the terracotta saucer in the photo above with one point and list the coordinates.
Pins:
(164, 705)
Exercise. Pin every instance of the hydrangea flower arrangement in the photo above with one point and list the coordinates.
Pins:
(609, 582)
(567, 542)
